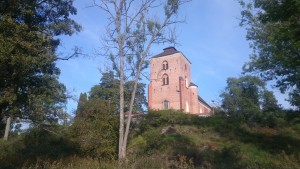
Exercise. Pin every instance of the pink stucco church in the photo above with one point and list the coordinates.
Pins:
(171, 85)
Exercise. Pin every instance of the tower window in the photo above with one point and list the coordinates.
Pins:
(166, 104)
(186, 82)
(165, 79)
(165, 65)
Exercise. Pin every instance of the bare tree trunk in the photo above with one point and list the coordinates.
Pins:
(121, 129)
(136, 80)
(121, 55)
(125, 36)
(7, 128)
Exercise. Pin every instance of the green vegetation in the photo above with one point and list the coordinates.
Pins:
(29, 86)
(273, 30)
(163, 139)
(249, 130)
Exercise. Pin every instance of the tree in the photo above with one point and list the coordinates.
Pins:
(131, 32)
(273, 28)
(95, 124)
(269, 102)
(29, 86)
(246, 96)
(96, 129)
(108, 90)
(83, 99)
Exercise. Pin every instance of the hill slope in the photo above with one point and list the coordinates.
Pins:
(176, 140)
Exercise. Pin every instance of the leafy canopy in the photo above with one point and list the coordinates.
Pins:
(29, 86)
(246, 96)
(273, 28)
(108, 89)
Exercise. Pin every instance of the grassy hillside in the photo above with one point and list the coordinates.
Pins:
(183, 141)
(169, 139)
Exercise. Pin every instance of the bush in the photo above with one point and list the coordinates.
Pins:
(34, 144)
(10, 153)
(96, 130)
(50, 143)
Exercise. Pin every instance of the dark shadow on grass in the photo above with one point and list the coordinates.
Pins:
(36, 145)
(274, 144)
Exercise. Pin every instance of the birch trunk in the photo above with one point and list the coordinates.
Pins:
(136, 80)
(7, 128)
(120, 46)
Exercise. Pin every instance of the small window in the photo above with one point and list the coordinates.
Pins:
(165, 65)
(187, 109)
(165, 79)
(186, 82)
(166, 104)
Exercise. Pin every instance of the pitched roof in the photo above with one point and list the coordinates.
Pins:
(169, 51)
(201, 100)
(193, 84)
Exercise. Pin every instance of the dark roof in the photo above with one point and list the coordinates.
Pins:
(193, 84)
(169, 51)
(201, 100)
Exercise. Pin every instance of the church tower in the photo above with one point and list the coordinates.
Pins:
(171, 86)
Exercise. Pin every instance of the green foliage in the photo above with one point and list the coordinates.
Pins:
(96, 122)
(245, 96)
(29, 86)
(81, 102)
(229, 157)
(45, 142)
(212, 142)
(273, 29)
(96, 130)
(47, 16)
(220, 141)
(108, 89)
(9, 151)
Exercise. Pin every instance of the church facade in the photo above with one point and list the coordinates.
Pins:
(171, 86)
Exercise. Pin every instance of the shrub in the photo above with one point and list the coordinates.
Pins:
(10, 153)
(96, 130)
(50, 143)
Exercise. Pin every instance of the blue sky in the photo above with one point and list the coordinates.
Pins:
(211, 39)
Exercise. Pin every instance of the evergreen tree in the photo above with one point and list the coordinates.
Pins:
(81, 103)
(96, 130)
(108, 89)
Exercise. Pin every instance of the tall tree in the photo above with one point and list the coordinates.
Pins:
(133, 28)
(273, 28)
(246, 96)
(83, 99)
(108, 90)
(269, 102)
(29, 86)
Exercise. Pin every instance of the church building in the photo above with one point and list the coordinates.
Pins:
(171, 85)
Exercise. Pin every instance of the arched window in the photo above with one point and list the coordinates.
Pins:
(165, 79)
(187, 109)
(186, 82)
(166, 104)
(165, 65)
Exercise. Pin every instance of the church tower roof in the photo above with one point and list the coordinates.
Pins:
(169, 51)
